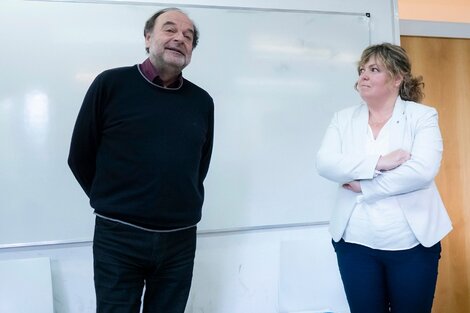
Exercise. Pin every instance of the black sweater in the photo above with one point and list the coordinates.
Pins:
(141, 152)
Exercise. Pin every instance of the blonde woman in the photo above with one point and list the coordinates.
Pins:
(389, 217)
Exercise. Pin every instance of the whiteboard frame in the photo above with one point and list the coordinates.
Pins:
(207, 232)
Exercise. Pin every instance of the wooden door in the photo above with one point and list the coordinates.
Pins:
(444, 64)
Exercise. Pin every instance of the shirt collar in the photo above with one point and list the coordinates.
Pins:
(150, 72)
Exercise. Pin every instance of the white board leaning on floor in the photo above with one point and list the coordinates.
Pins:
(21, 278)
(276, 77)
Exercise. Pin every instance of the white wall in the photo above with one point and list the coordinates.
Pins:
(435, 18)
(263, 271)
(455, 11)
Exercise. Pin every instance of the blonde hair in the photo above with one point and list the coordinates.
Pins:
(397, 63)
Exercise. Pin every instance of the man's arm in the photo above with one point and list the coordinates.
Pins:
(86, 138)
(207, 148)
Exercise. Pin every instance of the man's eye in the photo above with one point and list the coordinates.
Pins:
(188, 36)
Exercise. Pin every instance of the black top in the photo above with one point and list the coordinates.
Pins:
(141, 152)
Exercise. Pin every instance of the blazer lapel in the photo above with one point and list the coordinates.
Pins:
(398, 126)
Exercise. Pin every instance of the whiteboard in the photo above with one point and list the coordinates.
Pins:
(276, 77)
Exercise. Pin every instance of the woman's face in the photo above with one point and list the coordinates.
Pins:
(375, 82)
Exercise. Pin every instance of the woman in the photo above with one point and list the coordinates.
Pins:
(389, 218)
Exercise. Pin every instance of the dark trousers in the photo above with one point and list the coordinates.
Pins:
(379, 281)
(127, 258)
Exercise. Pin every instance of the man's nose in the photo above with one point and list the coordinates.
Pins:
(179, 36)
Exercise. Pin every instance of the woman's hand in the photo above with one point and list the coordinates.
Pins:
(354, 186)
(392, 160)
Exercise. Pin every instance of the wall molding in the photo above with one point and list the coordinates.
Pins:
(434, 29)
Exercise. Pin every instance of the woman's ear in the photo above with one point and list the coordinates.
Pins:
(398, 81)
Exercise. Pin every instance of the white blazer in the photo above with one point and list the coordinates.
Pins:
(342, 158)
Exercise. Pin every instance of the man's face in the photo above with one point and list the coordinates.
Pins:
(170, 43)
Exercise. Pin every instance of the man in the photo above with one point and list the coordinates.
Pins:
(141, 149)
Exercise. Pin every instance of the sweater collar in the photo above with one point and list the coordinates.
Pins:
(151, 73)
